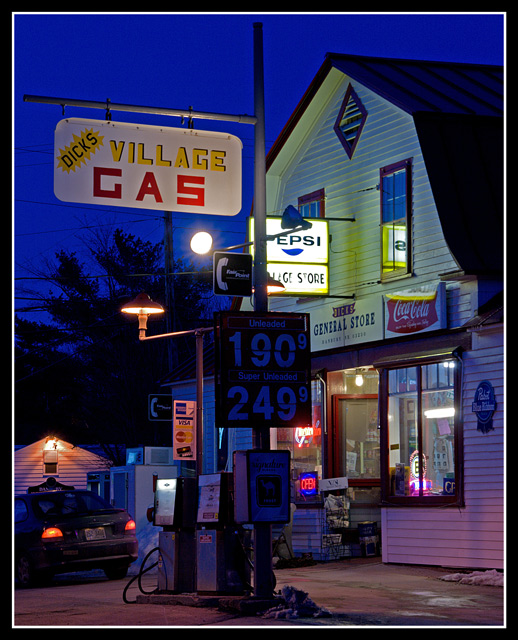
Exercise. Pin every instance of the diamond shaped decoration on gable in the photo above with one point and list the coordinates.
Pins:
(350, 121)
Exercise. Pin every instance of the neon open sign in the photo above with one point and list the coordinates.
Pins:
(308, 482)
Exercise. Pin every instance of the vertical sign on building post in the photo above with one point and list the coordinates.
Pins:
(262, 486)
(232, 274)
(184, 430)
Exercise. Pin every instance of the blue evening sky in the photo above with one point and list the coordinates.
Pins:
(178, 60)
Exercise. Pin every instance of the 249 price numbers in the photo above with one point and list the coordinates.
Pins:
(265, 370)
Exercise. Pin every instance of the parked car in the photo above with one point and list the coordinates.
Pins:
(71, 530)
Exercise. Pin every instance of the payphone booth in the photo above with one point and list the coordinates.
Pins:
(222, 565)
(174, 510)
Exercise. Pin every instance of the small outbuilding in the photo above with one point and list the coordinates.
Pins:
(51, 460)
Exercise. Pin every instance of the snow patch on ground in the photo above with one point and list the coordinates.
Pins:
(491, 578)
(147, 540)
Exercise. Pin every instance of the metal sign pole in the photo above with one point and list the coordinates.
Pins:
(263, 587)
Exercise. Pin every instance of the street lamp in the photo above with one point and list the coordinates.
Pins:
(142, 306)
(274, 286)
(201, 242)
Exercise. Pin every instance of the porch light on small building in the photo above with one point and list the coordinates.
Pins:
(51, 444)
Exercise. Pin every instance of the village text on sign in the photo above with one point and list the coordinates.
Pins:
(147, 167)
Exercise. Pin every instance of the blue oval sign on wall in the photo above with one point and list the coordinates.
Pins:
(484, 405)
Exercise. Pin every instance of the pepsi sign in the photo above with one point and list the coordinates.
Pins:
(308, 246)
(298, 259)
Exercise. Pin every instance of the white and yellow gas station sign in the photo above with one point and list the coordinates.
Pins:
(300, 259)
(147, 167)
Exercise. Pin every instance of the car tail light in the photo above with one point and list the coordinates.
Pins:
(130, 526)
(52, 533)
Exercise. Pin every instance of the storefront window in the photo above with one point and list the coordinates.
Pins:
(305, 444)
(422, 441)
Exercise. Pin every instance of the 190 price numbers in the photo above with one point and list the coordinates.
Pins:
(265, 370)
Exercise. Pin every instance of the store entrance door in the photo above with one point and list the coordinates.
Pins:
(356, 453)
(357, 437)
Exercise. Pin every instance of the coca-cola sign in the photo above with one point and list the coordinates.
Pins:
(414, 310)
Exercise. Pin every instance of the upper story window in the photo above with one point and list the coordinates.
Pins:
(396, 207)
(312, 205)
(350, 121)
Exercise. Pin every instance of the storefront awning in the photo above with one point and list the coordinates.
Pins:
(418, 357)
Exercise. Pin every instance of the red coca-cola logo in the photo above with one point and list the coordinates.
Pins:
(408, 315)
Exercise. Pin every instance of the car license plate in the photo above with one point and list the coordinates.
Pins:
(95, 534)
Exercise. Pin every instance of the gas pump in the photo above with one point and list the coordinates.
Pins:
(222, 562)
(174, 510)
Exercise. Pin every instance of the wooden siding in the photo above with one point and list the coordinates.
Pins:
(472, 536)
(351, 188)
(313, 158)
(74, 464)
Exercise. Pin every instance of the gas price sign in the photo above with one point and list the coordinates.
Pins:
(263, 369)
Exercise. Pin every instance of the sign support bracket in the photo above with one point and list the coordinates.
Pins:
(108, 106)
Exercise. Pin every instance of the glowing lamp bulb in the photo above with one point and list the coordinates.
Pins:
(201, 242)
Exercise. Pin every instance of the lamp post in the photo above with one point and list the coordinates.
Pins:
(263, 586)
(142, 306)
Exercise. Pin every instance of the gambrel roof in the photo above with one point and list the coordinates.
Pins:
(457, 110)
(434, 87)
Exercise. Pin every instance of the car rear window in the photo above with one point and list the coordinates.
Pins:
(64, 503)
(20, 510)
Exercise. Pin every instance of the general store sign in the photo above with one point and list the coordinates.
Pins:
(415, 310)
(147, 167)
(299, 259)
(344, 324)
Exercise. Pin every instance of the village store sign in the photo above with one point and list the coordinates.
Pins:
(300, 260)
(147, 167)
